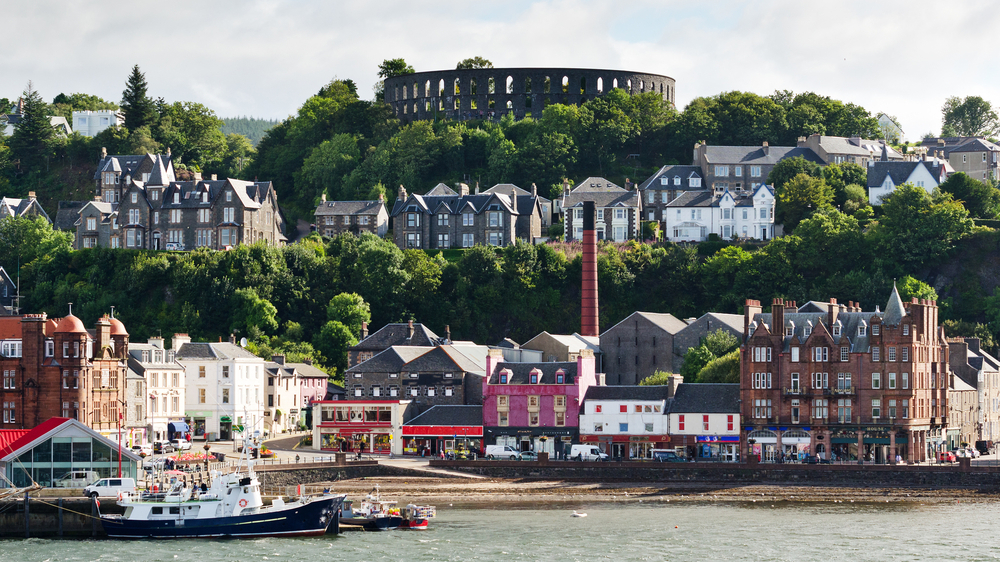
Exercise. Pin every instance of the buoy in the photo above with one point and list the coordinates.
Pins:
(675, 526)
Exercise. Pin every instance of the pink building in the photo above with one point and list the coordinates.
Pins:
(535, 406)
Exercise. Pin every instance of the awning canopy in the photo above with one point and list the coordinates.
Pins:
(180, 427)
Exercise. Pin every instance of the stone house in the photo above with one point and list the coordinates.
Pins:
(333, 218)
(667, 184)
(743, 168)
(980, 370)
(8, 294)
(856, 150)
(544, 203)
(883, 177)
(97, 225)
(562, 347)
(619, 210)
(30, 207)
(444, 219)
(426, 376)
(977, 158)
(535, 406)
(847, 382)
(639, 346)
(390, 335)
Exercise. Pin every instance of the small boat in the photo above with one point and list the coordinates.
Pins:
(230, 507)
(373, 514)
(575, 514)
(416, 517)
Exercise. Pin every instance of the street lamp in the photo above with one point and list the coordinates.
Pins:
(207, 447)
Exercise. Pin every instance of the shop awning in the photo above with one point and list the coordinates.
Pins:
(180, 427)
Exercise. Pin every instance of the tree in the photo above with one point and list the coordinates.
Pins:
(192, 132)
(786, 169)
(329, 163)
(918, 229)
(332, 341)
(981, 200)
(390, 68)
(969, 117)
(65, 105)
(910, 287)
(136, 104)
(721, 342)
(350, 310)
(724, 369)
(249, 310)
(474, 62)
(800, 198)
(24, 239)
(32, 141)
(694, 360)
(659, 378)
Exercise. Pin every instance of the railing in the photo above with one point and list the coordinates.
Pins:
(840, 391)
(795, 390)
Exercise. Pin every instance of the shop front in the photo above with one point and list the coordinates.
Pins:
(552, 440)
(432, 440)
(763, 444)
(724, 448)
(359, 427)
(875, 444)
(628, 447)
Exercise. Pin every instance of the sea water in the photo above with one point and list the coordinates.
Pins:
(625, 531)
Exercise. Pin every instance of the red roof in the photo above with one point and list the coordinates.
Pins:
(71, 324)
(8, 436)
(10, 327)
(26, 436)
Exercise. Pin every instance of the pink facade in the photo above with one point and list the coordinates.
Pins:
(577, 377)
(312, 389)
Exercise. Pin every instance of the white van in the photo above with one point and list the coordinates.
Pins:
(109, 487)
(587, 453)
(75, 479)
(501, 452)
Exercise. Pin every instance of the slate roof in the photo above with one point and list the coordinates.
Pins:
(129, 163)
(706, 398)
(20, 207)
(665, 321)
(894, 311)
(574, 342)
(603, 193)
(976, 145)
(292, 369)
(67, 213)
(450, 415)
(397, 334)
(519, 372)
(422, 359)
(506, 187)
(683, 172)
(710, 199)
(900, 171)
(391, 360)
(734, 321)
(213, 350)
(453, 204)
(342, 208)
(441, 190)
(756, 155)
(858, 147)
(628, 392)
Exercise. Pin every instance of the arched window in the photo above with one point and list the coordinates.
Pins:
(642, 85)
(491, 87)
(510, 85)
(527, 85)
(527, 102)
(661, 87)
(565, 84)
(510, 104)
(458, 105)
(629, 82)
(458, 87)
(441, 87)
(600, 85)
(414, 108)
(406, 91)
(472, 86)
(548, 87)
(614, 84)
(416, 91)
(406, 106)
(427, 88)
(583, 85)
(395, 94)
(762, 434)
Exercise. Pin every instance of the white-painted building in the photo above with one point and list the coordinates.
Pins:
(693, 215)
(370, 426)
(89, 123)
(225, 387)
(883, 177)
(164, 386)
(626, 421)
(705, 420)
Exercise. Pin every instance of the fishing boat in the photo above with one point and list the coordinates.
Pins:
(230, 507)
(370, 514)
(417, 517)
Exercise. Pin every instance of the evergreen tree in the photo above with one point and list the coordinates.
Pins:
(32, 140)
(136, 105)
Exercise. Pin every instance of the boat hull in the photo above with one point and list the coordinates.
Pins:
(415, 524)
(371, 523)
(310, 519)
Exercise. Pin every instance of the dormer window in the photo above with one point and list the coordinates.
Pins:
(836, 330)
(504, 376)
(790, 329)
(204, 197)
(808, 329)
(560, 377)
(862, 330)
(177, 197)
(534, 376)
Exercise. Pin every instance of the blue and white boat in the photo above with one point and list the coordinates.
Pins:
(230, 507)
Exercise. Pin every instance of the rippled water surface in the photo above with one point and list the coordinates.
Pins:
(621, 532)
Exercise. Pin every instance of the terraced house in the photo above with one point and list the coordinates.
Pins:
(618, 210)
(444, 218)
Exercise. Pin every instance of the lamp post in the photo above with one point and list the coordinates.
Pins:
(206, 447)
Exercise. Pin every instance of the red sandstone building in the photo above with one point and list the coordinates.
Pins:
(57, 368)
(831, 380)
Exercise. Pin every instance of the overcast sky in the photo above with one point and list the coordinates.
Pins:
(264, 58)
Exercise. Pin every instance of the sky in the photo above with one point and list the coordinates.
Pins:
(264, 58)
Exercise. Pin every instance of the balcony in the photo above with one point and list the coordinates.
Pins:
(844, 391)
(793, 391)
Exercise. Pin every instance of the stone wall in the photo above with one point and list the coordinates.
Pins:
(491, 92)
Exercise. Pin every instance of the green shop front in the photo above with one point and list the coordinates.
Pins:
(58, 447)
(874, 443)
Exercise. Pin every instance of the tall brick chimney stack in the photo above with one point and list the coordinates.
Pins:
(588, 308)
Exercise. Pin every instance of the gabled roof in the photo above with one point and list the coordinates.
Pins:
(593, 184)
(390, 360)
(573, 342)
(342, 208)
(665, 321)
(628, 392)
(506, 187)
(900, 172)
(520, 372)
(685, 173)
(449, 415)
(439, 190)
(976, 145)
(706, 398)
(45, 429)
(10, 206)
(757, 154)
(397, 334)
(213, 350)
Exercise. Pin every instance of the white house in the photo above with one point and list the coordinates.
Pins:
(626, 421)
(693, 215)
(705, 419)
(225, 387)
(165, 384)
(284, 387)
(883, 177)
(89, 123)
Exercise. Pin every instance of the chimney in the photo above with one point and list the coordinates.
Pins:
(750, 309)
(197, 176)
(322, 198)
(628, 184)
(447, 333)
(765, 148)
(493, 357)
(588, 308)
(534, 190)
(673, 381)
(832, 314)
(156, 342)
(364, 330)
(31, 195)
(401, 195)
(168, 151)
(104, 152)
(178, 341)
(381, 197)
(778, 316)
(800, 142)
(103, 334)
(279, 359)
(308, 360)
(214, 177)
(463, 188)
(477, 188)
(411, 328)
(232, 338)
(565, 188)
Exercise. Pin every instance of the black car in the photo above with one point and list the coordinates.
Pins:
(161, 447)
(813, 459)
(667, 456)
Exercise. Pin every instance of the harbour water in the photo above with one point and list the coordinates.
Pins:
(800, 532)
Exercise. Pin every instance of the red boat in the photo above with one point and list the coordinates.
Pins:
(417, 517)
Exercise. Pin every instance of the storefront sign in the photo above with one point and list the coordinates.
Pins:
(443, 430)
(718, 439)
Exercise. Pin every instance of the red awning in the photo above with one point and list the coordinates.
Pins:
(442, 430)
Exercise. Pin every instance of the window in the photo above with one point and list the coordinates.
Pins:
(892, 353)
(201, 395)
(875, 329)
(876, 356)
(862, 330)
(412, 239)
(876, 381)
(906, 329)
(442, 219)
(228, 214)
(821, 354)
(795, 354)
(755, 171)
(201, 371)
(905, 354)
(204, 215)
(442, 241)
(503, 377)
(845, 353)
(844, 410)
(906, 409)
(468, 240)
(821, 380)
(795, 382)
(892, 381)
(762, 380)
(623, 427)
(597, 408)
(560, 377)
(761, 354)
(412, 220)
(820, 408)
(905, 381)
(795, 410)
(502, 420)
(8, 380)
(229, 196)
(737, 170)
(762, 408)
(892, 409)
(704, 423)
(680, 422)
(836, 330)
(722, 170)
(9, 415)
(876, 408)
(648, 428)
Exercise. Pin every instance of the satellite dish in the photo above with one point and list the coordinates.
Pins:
(243, 342)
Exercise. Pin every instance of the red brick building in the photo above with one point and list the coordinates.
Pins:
(57, 368)
(831, 380)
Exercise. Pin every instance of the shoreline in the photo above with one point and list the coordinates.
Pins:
(517, 491)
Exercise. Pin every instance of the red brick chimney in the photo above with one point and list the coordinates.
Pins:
(588, 308)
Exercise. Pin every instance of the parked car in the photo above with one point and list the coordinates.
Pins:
(106, 487)
(972, 452)
(984, 447)
(667, 456)
(143, 450)
(959, 453)
(527, 456)
(947, 456)
(587, 453)
(182, 444)
(814, 459)
(76, 479)
(505, 452)
(162, 447)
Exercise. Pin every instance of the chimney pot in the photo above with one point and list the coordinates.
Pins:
(364, 330)
(411, 328)
(31, 195)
